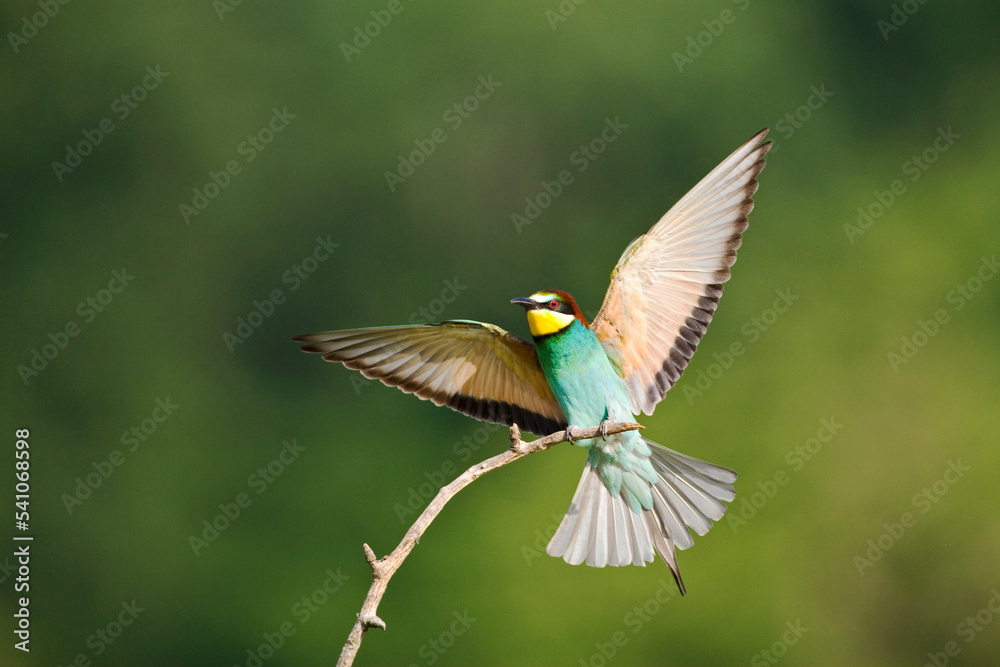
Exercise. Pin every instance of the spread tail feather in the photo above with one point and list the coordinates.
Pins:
(602, 530)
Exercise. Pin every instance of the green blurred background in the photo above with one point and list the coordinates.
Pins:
(809, 566)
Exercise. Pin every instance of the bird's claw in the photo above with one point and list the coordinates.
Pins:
(572, 432)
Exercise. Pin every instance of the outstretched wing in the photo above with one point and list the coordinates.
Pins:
(475, 368)
(667, 285)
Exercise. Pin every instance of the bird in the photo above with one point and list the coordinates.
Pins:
(635, 497)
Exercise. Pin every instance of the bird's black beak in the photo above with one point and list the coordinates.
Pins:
(527, 303)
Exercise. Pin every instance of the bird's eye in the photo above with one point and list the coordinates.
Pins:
(553, 304)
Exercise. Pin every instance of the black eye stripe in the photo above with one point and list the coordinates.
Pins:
(554, 304)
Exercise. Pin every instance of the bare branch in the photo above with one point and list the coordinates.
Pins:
(384, 568)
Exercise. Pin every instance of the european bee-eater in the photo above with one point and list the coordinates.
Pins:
(635, 495)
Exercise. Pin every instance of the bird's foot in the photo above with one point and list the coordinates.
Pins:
(571, 434)
(602, 430)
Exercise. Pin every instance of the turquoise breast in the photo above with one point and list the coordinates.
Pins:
(581, 377)
(589, 390)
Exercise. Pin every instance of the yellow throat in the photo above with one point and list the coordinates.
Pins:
(544, 322)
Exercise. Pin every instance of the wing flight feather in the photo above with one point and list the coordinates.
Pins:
(477, 369)
(668, 282)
